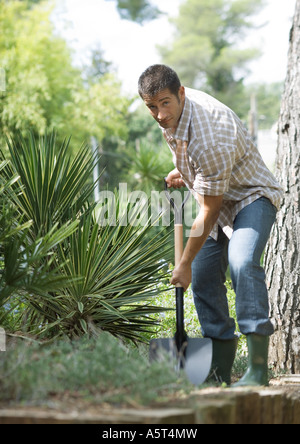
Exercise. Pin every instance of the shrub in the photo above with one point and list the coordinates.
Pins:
(110, 272)
(100, 369)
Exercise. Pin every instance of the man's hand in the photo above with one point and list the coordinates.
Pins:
(174, 179)
(182, 275)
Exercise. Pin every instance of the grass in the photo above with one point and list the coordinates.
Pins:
(101, 370)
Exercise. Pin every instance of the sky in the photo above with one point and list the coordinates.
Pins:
(132, 48)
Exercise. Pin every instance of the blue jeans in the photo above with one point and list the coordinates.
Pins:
(242, 253)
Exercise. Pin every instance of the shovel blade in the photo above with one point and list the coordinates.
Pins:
(195, 357)
(198, 359)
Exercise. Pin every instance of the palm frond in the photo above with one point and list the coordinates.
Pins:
(120, 276)
(55, 187)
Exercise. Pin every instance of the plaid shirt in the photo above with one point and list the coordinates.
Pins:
(215, 156)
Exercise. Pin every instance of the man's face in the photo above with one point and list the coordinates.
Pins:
(166, 108)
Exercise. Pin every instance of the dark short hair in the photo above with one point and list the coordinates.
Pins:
(157, 78)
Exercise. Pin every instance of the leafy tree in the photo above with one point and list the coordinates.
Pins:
(204, 50)
(100, 111)
(140, 11)
(43, 89)
(39, 73)
(98, 66)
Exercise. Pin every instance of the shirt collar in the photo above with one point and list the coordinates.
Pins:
(182, 131)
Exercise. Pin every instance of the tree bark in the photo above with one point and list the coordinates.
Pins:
(283, 250)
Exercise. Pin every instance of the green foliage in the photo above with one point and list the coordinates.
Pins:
(148, 166)
(55, 187)
(39, 74)
(101, 370)
(43, 89)
(110, 271)
(120, 273)
(25, 266)
(140, 11)
(205, 49)
(99, 110)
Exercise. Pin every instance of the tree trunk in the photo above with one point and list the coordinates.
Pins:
(283, 250)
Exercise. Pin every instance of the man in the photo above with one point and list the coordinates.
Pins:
(216, 159)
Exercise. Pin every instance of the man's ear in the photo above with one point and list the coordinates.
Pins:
(182, 93)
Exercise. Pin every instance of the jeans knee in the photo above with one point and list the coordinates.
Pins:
(240, 265)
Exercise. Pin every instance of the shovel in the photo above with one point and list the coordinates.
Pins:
(193, 355)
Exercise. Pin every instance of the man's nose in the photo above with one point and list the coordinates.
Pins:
(161, 115)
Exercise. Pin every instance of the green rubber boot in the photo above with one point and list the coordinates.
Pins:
(222, 361)
(257, 372)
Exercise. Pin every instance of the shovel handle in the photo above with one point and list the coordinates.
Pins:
(180, 335)
(178, 226)
(178, 238)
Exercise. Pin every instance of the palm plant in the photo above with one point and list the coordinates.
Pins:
(148, 165)
(25, 266)
(56, 187)
(111, 271)
(120, 275)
